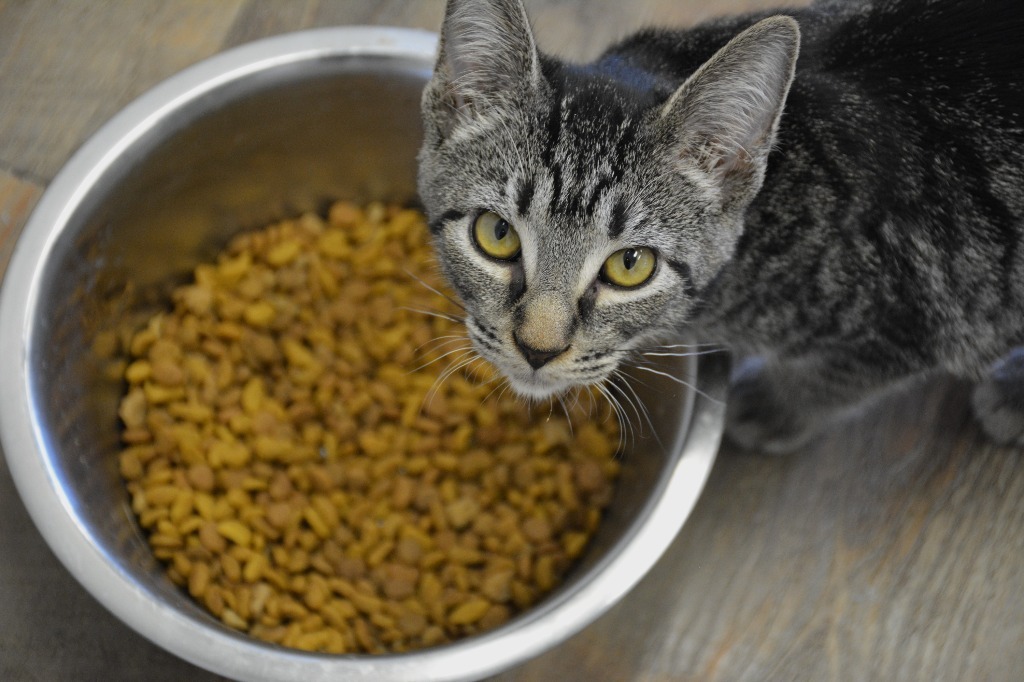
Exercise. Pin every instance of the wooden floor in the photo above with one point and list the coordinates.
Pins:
(892, 549)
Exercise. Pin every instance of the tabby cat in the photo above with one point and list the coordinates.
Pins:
(841, 222)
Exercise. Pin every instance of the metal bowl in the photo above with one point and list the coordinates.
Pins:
(257, 133)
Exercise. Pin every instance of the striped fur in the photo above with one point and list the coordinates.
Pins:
(870, 234)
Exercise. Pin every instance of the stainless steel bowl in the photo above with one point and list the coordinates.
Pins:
(262, 131)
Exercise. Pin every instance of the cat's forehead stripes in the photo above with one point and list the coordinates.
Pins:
(524, 195)
(586, 138)
(618, 220)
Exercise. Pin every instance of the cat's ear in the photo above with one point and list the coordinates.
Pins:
(487, 58)
(724, 117)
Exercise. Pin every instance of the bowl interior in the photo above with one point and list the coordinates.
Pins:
(279, 140)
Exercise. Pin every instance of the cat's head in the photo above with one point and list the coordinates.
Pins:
(579, 211)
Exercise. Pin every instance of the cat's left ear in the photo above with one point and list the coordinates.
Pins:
(724, 117)
(487, 59)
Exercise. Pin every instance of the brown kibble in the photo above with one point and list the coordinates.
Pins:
(412, 624)
(469, 612)
(198, 580)
(200, 476)
(398, 581)
(537, 529)
(167, 372)
(496, 586)
(461, 512)
(589, 476)
(235, 531)
(306, 486)
(279, 514)
(496, 615)
(408, 550)
(211, 539)
(133, 408)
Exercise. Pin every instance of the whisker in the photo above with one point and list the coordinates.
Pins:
(478, 368)
(690, 354)
(577, 390)
(707, 344)
(448, 371)
(617, 411)
(501, 384)
(679, 381)
(568, 417)
(671, 346)
(436, 291)
(628, 383)
(448, 338)
(441, 357)
(434, 313)
(635, 404)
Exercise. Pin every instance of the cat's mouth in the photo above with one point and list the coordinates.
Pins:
(550, 380)
(536, 387)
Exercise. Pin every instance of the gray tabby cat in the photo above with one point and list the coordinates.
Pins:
(845, 222)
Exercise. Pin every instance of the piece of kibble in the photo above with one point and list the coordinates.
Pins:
(469, 612)
(316, 472)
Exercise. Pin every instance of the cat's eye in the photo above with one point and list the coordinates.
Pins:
(495, 236)
(629, 267)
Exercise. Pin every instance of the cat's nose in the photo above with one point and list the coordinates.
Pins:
(535, 356)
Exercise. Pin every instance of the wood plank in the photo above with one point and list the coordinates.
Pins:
(17, 198)
(576, 30)
(72, 65)
(262, 18)
(582, 30)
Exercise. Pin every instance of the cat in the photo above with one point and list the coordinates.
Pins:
(835, 193)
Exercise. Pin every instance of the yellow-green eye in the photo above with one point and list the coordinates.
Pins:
(495, 236)
(629, 267)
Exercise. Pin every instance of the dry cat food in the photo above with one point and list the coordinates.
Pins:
(316, 467)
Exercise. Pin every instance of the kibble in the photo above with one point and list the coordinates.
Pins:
(307, 484)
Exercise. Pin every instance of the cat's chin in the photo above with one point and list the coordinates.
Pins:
(535, 388)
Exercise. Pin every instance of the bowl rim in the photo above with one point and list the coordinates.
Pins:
(233, 654)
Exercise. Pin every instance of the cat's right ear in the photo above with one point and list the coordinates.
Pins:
(723, 119)
(487, 59)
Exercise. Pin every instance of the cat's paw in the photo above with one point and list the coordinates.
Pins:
(998, 401)
(758, 416)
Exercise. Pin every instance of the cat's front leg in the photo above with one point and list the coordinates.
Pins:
(998, 401)
(777, 406)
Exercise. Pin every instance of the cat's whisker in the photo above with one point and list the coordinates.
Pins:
(502, 384)
(593, 404)
(678, 347)
(456, 365)
(690, 354)
(506, 386)
(435, 290)
(616, 410)
(704, 344)
(434, 313)
(631, 398)
(476, 369)
(442, 341)
(638, 403)
(568, 417)
(681, 382)
(441, 357)
(576, 398)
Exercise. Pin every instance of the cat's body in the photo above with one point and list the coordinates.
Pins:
(872, 233)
